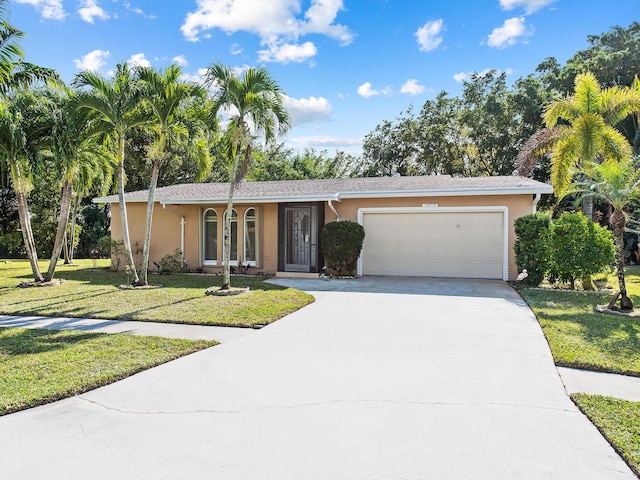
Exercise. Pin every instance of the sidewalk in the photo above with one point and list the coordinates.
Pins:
(156, 329)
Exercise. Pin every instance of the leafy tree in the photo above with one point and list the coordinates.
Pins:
(115, 103)
(491, 125)
(164, 93)
(580, 130)
(254, 100)
(21, 130)
(618, 183)
(275, 162)
(75, 152)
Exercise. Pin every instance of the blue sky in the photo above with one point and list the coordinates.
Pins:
(345, 65)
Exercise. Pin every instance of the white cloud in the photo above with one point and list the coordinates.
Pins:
(279, 23)
(412, 87)
(236, 49)
(324, 141)
(307, 110)
(93, 61)
(50, 9)
(529, 6)
(90, 10)
(180, 60)
(288, 52)
(428, 35)
(508, 34)
(367, 91)
(198, 77)
(465, 76)
(138, 60)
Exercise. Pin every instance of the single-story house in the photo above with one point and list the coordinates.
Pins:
(437, 226)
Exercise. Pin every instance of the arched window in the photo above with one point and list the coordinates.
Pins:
(234, 236)
(250, 237)
(210, 237)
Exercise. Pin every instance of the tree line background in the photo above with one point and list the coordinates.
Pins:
(478, 133)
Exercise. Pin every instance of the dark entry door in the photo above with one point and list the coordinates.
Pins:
(298, 239)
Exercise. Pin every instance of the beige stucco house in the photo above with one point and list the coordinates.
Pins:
(436, 226)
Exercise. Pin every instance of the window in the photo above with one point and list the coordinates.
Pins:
(250, 237)
(234, 237)
(210, 240)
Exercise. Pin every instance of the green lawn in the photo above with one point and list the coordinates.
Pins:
(40, 366)
(618, 420)
(582, 338)
(579, 337)
(93, 293)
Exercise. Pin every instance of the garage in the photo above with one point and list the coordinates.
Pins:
(435, 242)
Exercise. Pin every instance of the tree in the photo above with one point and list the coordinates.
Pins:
(115, 103)
(618, 183)
(580, 130)
(20, 133)
(164, 94)
(76, 153)
(256, 101)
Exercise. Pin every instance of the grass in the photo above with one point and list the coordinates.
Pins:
(579, 337)
(90, 292)
(40, 366)
(618, 420)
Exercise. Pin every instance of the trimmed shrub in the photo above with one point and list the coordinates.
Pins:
(341, 243)
(172, 263)
(579, 247)
(532, 246)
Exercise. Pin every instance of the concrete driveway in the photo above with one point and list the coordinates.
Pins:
(380, 378)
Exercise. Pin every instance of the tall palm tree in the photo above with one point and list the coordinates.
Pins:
(252, 101)
(116, 106)
(75, 150)
(21, 131)
(165, 94)
(618, 183)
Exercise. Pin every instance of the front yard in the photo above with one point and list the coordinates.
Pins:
(40, 366)
(90, 292)
(579, 337)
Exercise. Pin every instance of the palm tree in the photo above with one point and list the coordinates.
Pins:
(580, 130)
(165, 94)
(618, 183)
(76, 150)
(256, 101)
(21, 130)
(116, 106)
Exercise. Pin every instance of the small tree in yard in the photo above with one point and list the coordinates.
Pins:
(341, 246)
(579, 247)
(532, 246)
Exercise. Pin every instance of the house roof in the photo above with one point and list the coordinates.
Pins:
(338, 189)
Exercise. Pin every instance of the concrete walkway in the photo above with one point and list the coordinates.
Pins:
(445, 382)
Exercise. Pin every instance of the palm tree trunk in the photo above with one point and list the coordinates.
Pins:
(63, 221)
(27, 234)
(625, 301)
(123, 214)
(72, 234)
(144, 269)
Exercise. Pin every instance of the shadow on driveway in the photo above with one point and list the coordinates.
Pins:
(454, 287)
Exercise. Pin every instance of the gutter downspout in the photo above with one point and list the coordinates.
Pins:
(333, 209)
(535, 202)
(182, 222)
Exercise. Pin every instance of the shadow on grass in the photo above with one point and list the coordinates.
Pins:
(32, 341)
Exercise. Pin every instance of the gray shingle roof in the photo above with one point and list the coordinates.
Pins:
(334, 189)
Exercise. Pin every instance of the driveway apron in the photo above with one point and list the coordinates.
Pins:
(380, 378)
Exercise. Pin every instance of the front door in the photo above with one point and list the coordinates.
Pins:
(298, 239)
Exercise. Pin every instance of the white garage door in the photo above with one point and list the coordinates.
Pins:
(463, 244)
